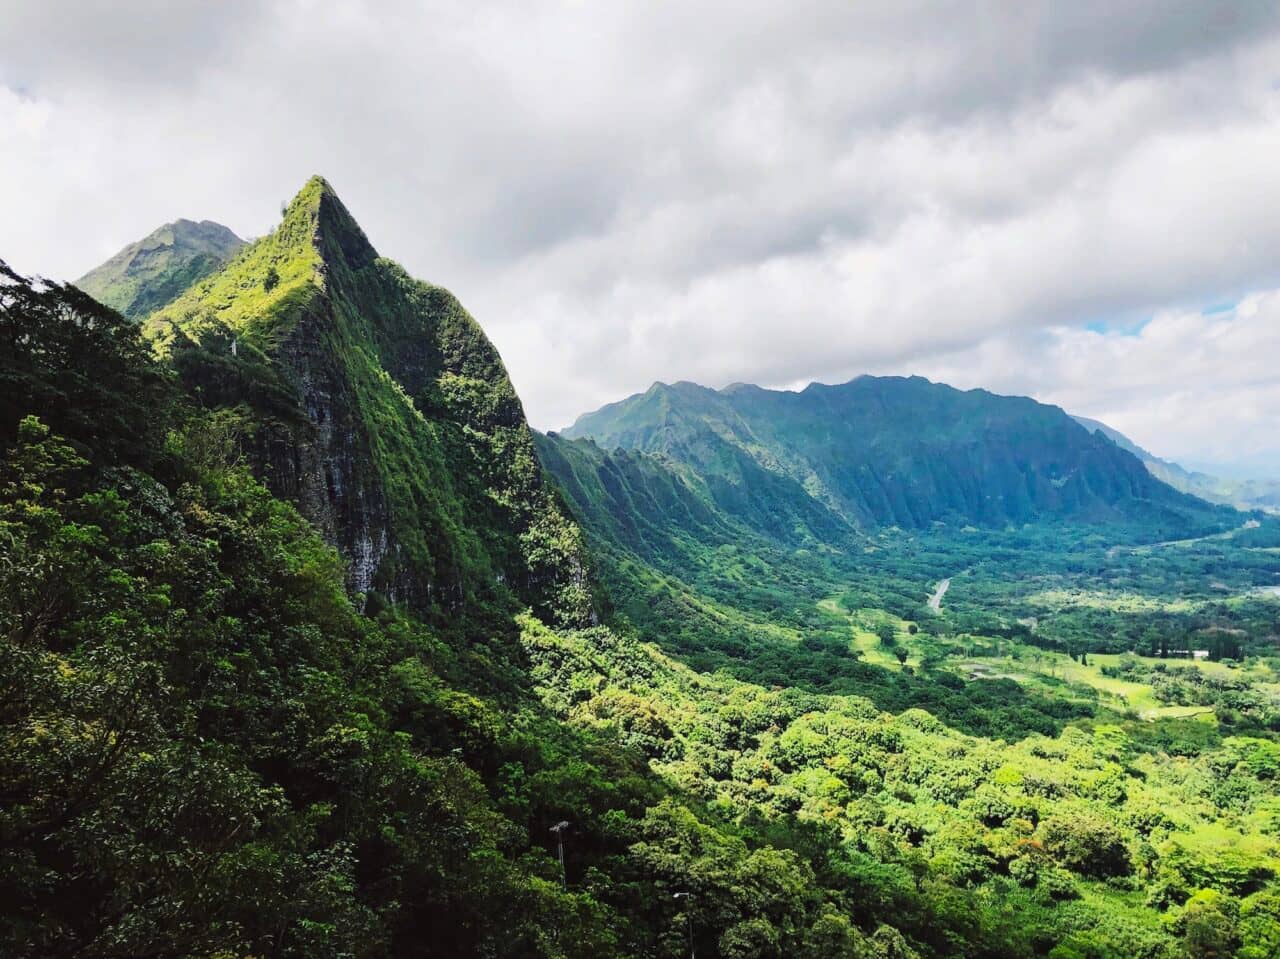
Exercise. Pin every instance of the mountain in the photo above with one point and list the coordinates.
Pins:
(222, 736)
(150, 273)
(376, 403)
(887, 451)
(206, 747)
(1242, 494)
(727, 526)
(636, 501)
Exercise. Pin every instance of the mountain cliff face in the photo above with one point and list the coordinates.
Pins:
(152, 272)
(636, 503)
(888, 451)
(377, 404)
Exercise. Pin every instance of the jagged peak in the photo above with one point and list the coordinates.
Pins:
(307, 200)
(317, 216)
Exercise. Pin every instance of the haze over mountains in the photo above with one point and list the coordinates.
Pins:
(1240, 493)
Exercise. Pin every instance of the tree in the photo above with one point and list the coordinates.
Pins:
(1086, 844)
(1209, 925)
(82, 367)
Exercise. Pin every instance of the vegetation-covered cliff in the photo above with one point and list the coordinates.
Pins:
(377, 404)
(889, 451)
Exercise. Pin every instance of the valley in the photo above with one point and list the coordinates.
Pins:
(1050, 631)
(313, 647)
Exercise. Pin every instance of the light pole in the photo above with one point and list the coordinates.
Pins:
(559, 829)
(688, 918)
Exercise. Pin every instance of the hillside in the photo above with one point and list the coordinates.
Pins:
(301, 658)
(1242, 494)
(889, 451)
(152, 272)
(377, 405)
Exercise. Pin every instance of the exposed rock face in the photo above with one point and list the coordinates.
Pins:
(379, 406)
(318, 466)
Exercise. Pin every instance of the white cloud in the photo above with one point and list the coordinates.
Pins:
(1187, 386)
(624, 192)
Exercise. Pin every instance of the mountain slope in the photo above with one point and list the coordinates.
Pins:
(152, 272)
(882, 451)
(377, 404)
(631, 500)
(207, 750)
(1242, 494)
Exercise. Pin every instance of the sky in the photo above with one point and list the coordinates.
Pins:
(1074, 201)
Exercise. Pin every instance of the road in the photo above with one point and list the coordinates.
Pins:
(935, 601)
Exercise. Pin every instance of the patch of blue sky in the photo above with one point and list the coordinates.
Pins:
(1127, 327)
(1224, 306)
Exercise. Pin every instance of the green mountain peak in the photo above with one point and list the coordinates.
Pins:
(379, 406)
(263, 290)
(149, 273)
(317, 216)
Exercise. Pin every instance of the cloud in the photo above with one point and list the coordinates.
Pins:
(624, 192)
(1189, 386)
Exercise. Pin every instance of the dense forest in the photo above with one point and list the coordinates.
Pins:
(311, 647)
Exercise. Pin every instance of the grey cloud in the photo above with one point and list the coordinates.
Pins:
(625, 192)
(59, 44)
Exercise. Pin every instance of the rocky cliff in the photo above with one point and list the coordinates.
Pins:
(376, 403)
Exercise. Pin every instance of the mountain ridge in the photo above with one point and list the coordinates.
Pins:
(904, 451)
(151, 272)
(377, 404)
(1244, 494)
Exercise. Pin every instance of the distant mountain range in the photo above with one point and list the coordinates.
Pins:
(153, 271)
(1244, 494)
(885, 451)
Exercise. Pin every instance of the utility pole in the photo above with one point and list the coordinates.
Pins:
(559, 829)
(688, 918)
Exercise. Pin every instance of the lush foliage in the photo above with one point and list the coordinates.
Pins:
(1094, 771)
(378, 405)
(789, 741)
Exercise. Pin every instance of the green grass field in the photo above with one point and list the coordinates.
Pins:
(979, 658)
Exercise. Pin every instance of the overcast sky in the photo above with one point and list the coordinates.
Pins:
(1078, 201)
